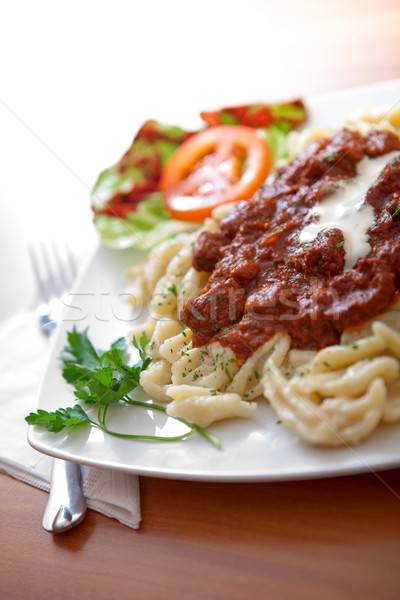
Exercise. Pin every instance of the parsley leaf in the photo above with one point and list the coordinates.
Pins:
(80, 350)
(59, 419)
(103, 378)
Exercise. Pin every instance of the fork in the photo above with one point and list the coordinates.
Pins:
(54, 275)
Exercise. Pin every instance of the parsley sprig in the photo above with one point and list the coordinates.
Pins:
(104, 378)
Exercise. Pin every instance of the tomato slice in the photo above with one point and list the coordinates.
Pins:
(219, 165)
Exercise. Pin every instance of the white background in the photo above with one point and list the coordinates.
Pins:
(78, 78)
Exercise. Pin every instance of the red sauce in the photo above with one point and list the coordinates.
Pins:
(263, 281)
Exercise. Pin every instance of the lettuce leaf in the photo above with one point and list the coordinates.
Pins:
(144, 228)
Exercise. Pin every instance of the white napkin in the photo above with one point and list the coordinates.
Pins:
(24, 352)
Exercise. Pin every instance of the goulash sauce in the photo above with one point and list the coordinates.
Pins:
(313, 253)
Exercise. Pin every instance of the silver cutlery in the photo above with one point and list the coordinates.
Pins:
(54, 272)
(66, 506)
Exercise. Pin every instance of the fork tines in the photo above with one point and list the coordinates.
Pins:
(54, 268)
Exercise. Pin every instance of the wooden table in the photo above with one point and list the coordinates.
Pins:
(335, 538)
(331, 538)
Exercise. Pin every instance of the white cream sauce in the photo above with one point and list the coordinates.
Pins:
(345, 209)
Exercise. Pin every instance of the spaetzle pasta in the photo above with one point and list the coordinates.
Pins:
(335, 396)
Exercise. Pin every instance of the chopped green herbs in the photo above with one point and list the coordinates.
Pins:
(172, 289)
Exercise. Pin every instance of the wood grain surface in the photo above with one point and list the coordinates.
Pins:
(335, 538)
(329, 538)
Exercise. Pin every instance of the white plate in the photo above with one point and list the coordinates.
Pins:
(253, 450)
